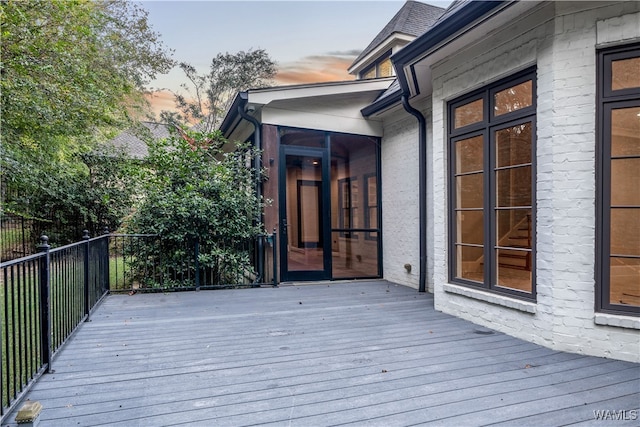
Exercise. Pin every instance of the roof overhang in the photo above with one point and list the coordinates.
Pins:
(324, 106)
(473, 21)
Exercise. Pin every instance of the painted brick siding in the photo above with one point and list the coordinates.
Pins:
(400, 212)
(561, 40)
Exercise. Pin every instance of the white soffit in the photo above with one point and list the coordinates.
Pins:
(266, 96)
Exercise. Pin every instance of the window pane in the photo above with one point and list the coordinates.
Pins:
(514, 269)
(469, 113)
(625, 231)
(513, 186)
(625, 132)
(513, 98)
(514, 228)
(469, 154)
(354, 256)
(513, 145)
(625, 182)
(624, 281)
(385, 69)
(370, 73)
(470, 263)
(470, 227)
(373, 218)
(625, 73)
(469, 191)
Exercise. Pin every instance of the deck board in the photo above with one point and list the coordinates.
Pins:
(359, 353)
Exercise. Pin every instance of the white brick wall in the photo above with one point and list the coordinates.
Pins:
(561, 39)
(400, 212)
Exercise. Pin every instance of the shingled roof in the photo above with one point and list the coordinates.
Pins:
(414, 18)
(132, 140)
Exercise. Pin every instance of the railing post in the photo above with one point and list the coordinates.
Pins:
(275, 257)
(87, 304)
(45, 314)
(197, 263)
(106, 285)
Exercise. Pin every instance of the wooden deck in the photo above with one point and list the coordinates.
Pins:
(361, 353)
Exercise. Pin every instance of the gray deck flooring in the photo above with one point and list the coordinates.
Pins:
(360, 353)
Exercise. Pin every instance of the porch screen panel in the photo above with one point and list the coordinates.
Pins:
(354, 211)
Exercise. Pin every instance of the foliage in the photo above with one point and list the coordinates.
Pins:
(209, 96)
(195, 190)
(96, 190)
(72, 72)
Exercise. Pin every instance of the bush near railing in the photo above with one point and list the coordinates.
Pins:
(45, 297)
(148, 262)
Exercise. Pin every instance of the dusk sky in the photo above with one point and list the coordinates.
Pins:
(311, 41)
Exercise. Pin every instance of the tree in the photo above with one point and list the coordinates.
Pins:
(209, 96)
(194, 190)
(72, 73)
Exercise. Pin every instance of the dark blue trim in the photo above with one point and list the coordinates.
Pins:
(445, 28)
(386, 102)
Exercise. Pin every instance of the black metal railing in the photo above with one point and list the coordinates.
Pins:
(147, 262)
(45, 297)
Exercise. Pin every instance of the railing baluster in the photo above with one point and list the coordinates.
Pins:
(87, 303)
(44, 302)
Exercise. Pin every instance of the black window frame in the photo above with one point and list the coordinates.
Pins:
(376, 65)
(608, 100)
(486, 128)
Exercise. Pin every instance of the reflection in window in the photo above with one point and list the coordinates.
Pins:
(468, 114)
(513, 98)
(619, 164)
(371, 206)
(347, 204)
(625, 73)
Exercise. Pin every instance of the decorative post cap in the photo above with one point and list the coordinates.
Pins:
(85, 234)
(29, 412)
(105, 230)
(44, 240)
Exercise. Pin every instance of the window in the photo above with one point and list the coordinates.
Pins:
(381, 68)
(618, 246)
(371, 205)
(348, 205)
(492, 186)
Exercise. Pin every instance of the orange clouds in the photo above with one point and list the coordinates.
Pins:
(315, 69)
(161, 100)
(311, 69)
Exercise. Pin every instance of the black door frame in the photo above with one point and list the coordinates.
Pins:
(325, 213)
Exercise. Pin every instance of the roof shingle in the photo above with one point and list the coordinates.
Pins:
(414, 18)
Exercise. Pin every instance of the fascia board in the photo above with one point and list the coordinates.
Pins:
(438, 36)
(420, 70)
(266, 96)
